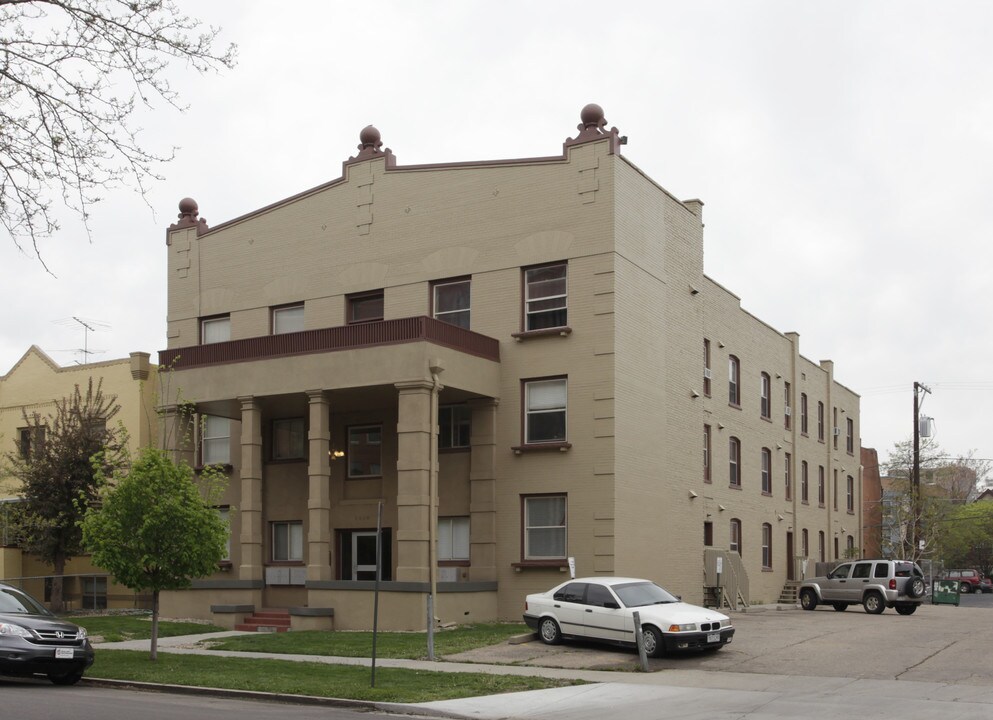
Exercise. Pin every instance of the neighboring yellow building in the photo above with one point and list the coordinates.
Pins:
(33, 386)
(527, 350)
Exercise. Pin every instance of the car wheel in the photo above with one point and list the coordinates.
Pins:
(965, 588)
(915, 587)
(873, 603)
(840, 607)
(66, 679)
(906, 609)
(808, 599)
(548, 631)
(652, 638)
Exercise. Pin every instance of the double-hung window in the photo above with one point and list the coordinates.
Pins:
(545, 296)
(450, 301)
(287, 319)
(545, 417)
(545, 526)
(804, 482)
(734, 462)
(734, 381)
(216, 440)
(765, 396)
(215, 329)
(453, 538)
(287, 541)
(365, 451)
(766, 546)
(366, 307)
(289, 439)
(453, 426)
(734, 544)
(766, 471)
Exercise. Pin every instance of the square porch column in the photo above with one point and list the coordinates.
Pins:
(319, 494)
(415, 433)
(250, 510)
(482, 489)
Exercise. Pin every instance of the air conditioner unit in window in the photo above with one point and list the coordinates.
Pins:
(789, 411)
(707, 374)
(837, 431)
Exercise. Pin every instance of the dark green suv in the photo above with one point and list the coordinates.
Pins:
(873, 584)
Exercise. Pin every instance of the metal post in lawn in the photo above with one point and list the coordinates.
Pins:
(375, 594)
(639, 639)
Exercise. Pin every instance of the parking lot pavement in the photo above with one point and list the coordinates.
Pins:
(939, 643)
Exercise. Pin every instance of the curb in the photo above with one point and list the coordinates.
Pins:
(259, 696)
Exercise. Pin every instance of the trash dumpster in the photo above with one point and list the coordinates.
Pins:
(946, 592)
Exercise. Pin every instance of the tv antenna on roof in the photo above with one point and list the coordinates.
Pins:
(88, 327)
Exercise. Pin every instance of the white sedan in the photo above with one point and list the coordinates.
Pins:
(602, 609)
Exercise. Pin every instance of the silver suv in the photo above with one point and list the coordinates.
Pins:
(873, 584)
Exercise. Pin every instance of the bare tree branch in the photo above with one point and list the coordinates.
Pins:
(72, 73)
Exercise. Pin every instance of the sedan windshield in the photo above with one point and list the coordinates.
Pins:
(14, 601)
(643, 593)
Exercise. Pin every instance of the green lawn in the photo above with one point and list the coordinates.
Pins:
(114, 628)
(282, 676)
(287, 677)
(359, 644)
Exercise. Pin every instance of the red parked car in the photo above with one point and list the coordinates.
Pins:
(969, 581)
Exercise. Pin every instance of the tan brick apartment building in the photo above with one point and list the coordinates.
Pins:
(33, 387)
(538, 331)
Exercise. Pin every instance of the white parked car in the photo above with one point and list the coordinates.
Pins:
(602, 609)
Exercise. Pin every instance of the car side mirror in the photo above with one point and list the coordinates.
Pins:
(611, 605)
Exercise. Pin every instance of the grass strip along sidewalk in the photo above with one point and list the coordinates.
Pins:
(303, 678)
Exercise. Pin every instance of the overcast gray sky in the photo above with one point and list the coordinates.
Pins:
(843, 149)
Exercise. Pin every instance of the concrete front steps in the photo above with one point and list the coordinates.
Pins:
(266, 621)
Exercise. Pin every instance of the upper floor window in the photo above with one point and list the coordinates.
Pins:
(820, 421)
(804, 483)
(803, 413)
(289, 439)
(820, 485)
(766, 471)
(545, 296)
(216, 440)
(766, 546)
(706, 367)
(706, 453)
(453, 426)
(367, 307)
(787, 407)
(765, 395)
(545, 416)
(450, 302)
(734, 462)
(734, 381)
(545, 527)
(30, 440)
(365, 451)
(820, 546)
(805, 543)
(215, 329)
(850, 437)
(734, 543)
(834, 424)
(287, 319)
(851, 494)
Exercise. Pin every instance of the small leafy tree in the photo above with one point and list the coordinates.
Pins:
(967, 538)
(154, 527)
(58, 477)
